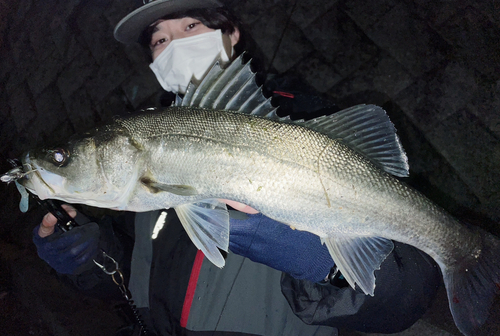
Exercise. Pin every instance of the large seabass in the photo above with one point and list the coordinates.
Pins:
(332, 176)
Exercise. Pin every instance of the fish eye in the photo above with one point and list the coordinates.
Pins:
(59, 156)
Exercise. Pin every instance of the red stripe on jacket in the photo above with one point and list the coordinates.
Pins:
(193, 280)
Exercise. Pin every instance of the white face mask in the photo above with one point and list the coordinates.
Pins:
(188, 59)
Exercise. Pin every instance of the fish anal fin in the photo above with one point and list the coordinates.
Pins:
(358, 258)
(207, 224)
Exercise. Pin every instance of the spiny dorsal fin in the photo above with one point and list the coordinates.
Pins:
(368, 130)
(233, 88)
(365, 128)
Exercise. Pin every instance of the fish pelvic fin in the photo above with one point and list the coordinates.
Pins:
(358, 258)
(472, 286)
(207, 224)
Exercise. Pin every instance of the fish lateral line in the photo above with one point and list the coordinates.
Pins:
(328, 203)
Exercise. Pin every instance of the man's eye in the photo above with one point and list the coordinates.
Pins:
(160, 41)
(192, 25)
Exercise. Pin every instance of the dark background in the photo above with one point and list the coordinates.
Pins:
(433, 65)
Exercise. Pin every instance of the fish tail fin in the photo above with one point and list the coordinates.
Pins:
(472, 286)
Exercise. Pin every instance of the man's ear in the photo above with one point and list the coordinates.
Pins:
(235, 36)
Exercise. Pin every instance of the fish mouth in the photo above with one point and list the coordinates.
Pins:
(33, 179)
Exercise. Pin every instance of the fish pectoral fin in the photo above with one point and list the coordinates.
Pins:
(358, 258)
(207, 224)
(177, 189)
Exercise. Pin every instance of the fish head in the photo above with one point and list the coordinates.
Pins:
(99, 168)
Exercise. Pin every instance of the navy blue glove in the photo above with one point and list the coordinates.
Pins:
(263, 240)
(69, 252)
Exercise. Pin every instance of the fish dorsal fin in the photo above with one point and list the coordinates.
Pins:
(368, 130)
(365, 128)
(232, 89)
(207, 224)
(358, 258)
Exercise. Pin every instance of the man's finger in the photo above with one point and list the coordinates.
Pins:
(49, 221)
(47, 226)
(240, 206)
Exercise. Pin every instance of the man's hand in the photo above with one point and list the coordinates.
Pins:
(68, 252)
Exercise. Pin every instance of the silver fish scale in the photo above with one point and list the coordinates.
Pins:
(286, 141)
(289, 173)
(229, 155)
(391, 209)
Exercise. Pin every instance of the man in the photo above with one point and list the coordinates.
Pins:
(181, 293)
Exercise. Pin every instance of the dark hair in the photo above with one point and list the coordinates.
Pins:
(214, 18)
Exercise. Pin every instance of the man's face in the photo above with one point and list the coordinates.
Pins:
(169, 30)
